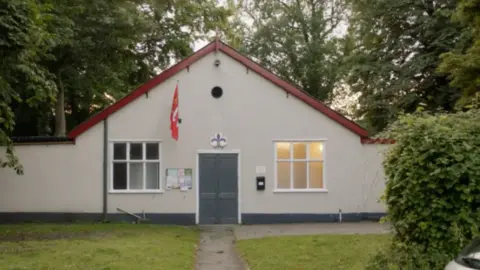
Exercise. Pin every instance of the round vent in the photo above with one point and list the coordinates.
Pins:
(217, 92)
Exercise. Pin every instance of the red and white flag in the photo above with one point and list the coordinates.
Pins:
(174, 115)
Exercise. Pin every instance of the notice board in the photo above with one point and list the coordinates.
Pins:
(179, 178)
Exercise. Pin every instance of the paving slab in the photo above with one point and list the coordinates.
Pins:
(217, 249)
(259, 231)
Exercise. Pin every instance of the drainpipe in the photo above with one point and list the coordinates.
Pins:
(105, 168)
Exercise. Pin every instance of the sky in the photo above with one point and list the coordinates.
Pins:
(199, 44)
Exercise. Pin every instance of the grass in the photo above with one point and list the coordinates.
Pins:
(311, 252)
(97, 246)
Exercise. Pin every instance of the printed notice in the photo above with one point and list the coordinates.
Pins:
(172, 179)
(188, 178)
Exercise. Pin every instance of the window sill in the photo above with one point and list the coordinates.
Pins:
(136, 191)
(317, 190)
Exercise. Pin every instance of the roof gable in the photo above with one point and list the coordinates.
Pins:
(247, 62)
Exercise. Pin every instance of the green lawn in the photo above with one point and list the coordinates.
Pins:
(99, 246)
(311, 252)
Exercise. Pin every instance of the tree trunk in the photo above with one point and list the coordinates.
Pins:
(60, 121)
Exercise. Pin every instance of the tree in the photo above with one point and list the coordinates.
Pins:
(23, 44)
(103, 49)
(297, 39)
(462, 64)
(63, 61)
(396, 49)
(93, 54)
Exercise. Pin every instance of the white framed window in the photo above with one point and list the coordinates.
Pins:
(299, 166)
(136, 166)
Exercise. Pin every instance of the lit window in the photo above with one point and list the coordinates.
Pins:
(136, 166)
(299, 165)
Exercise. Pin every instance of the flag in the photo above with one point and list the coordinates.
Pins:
(174, 115)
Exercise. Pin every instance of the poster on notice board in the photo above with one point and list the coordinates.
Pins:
(179, 178)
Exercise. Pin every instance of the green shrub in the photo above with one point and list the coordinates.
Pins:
(407, 257)
(433, 181)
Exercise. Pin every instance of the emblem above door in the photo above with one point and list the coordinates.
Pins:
(218, 141)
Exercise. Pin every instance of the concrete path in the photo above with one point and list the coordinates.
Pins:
(217, 249)
(258, 231)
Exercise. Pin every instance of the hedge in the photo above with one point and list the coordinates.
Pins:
(433, 182)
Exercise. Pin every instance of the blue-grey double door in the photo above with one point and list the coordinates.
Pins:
(218, 188)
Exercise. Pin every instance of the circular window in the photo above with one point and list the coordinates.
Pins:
(217, 92)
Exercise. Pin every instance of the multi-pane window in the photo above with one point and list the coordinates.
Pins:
(299, 165)
(136, 166)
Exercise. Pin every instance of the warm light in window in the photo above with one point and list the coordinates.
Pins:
(283, 145)
(299, 165)
(283, 150)
(316, 150)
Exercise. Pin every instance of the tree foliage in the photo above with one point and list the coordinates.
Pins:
(463, 64)
(297, 39)
(433, 181)
(396, 46)
(23, 43)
